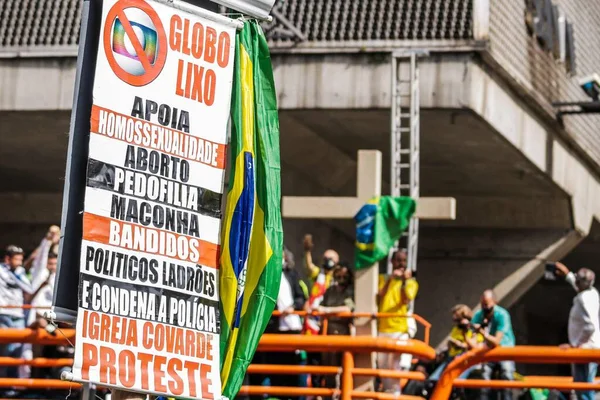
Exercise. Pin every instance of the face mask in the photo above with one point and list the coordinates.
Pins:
(487, 310)
(341, 280)
(328, 264)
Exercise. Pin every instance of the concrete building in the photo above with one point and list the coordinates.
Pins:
(527, 187)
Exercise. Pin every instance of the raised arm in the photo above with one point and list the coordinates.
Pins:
(562, 270)
(39, 263)
(410, 287)
(311, 269)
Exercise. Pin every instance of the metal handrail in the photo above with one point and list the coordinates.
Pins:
(269, 342)
(355, 344)
(38, 336)
(28, 307)
(426, 324)
(522, 354)
(348, 345)
(377, 315)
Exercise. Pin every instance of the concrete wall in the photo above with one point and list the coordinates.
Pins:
(457, 264)
(463, 258)
(541, 315)
(536, 72)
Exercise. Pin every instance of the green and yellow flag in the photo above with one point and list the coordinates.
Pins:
(252, 236)
(379, 224)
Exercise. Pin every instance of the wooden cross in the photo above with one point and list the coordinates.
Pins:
(368, 185)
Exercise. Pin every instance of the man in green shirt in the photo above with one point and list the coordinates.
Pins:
(494, 323)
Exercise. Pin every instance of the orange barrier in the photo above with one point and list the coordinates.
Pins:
(522, 354)
(292, 369)
(38, 383)
(553, 378)
(385, 373)
(354, 344)
(383, 396)
(297, 392)
(29, 307)
(527, 384)
(287, 391)
(38, 336)
(36, 362)
(325, 316)
(269, 342)
(346, 344)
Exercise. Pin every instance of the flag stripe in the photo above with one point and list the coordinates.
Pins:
(255, 139)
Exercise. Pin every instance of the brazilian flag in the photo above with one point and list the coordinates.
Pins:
(379, 224)
(252, 236)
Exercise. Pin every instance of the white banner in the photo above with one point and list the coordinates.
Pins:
(148, 316)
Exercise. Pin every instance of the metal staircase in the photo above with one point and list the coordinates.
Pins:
(405, 141)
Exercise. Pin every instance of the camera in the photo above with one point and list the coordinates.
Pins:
(484, 324)
(550, 272)
(591, 86)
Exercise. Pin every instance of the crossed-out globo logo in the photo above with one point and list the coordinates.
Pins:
(125, 52)
(135, 42)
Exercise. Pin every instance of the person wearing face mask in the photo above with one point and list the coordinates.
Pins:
(290, 298)
(494, 324)
(462, 338)
(396, 295)
(584, 322)
(338, 298)
(321, 279)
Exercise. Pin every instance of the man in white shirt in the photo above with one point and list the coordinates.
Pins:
(14, 287)
(584, 322)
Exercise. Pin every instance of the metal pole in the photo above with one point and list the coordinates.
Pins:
(395, 189)
(88, 391)
(347, 380)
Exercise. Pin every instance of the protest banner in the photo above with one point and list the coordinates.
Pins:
(148, 301)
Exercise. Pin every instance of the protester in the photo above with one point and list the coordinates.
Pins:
(321, 279)
(14, 287)
(290, 298)
(42, 273)
(338, 298)
(462, 338)
(494, 324)
(584, 324)
(396, 295)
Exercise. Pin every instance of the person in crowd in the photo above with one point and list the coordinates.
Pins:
(494, 324)
(396, 295)
(338, 298)
(461, 339)
(290, 299)
(42, 273)
(321, 279)
(15, 290)
(584, 323)
(302, 356)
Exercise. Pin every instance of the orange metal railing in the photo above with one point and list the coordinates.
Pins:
(419, 319)
(348, 346)
(269, 342)
(521, 354)
(325, 316)
(29, 307)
